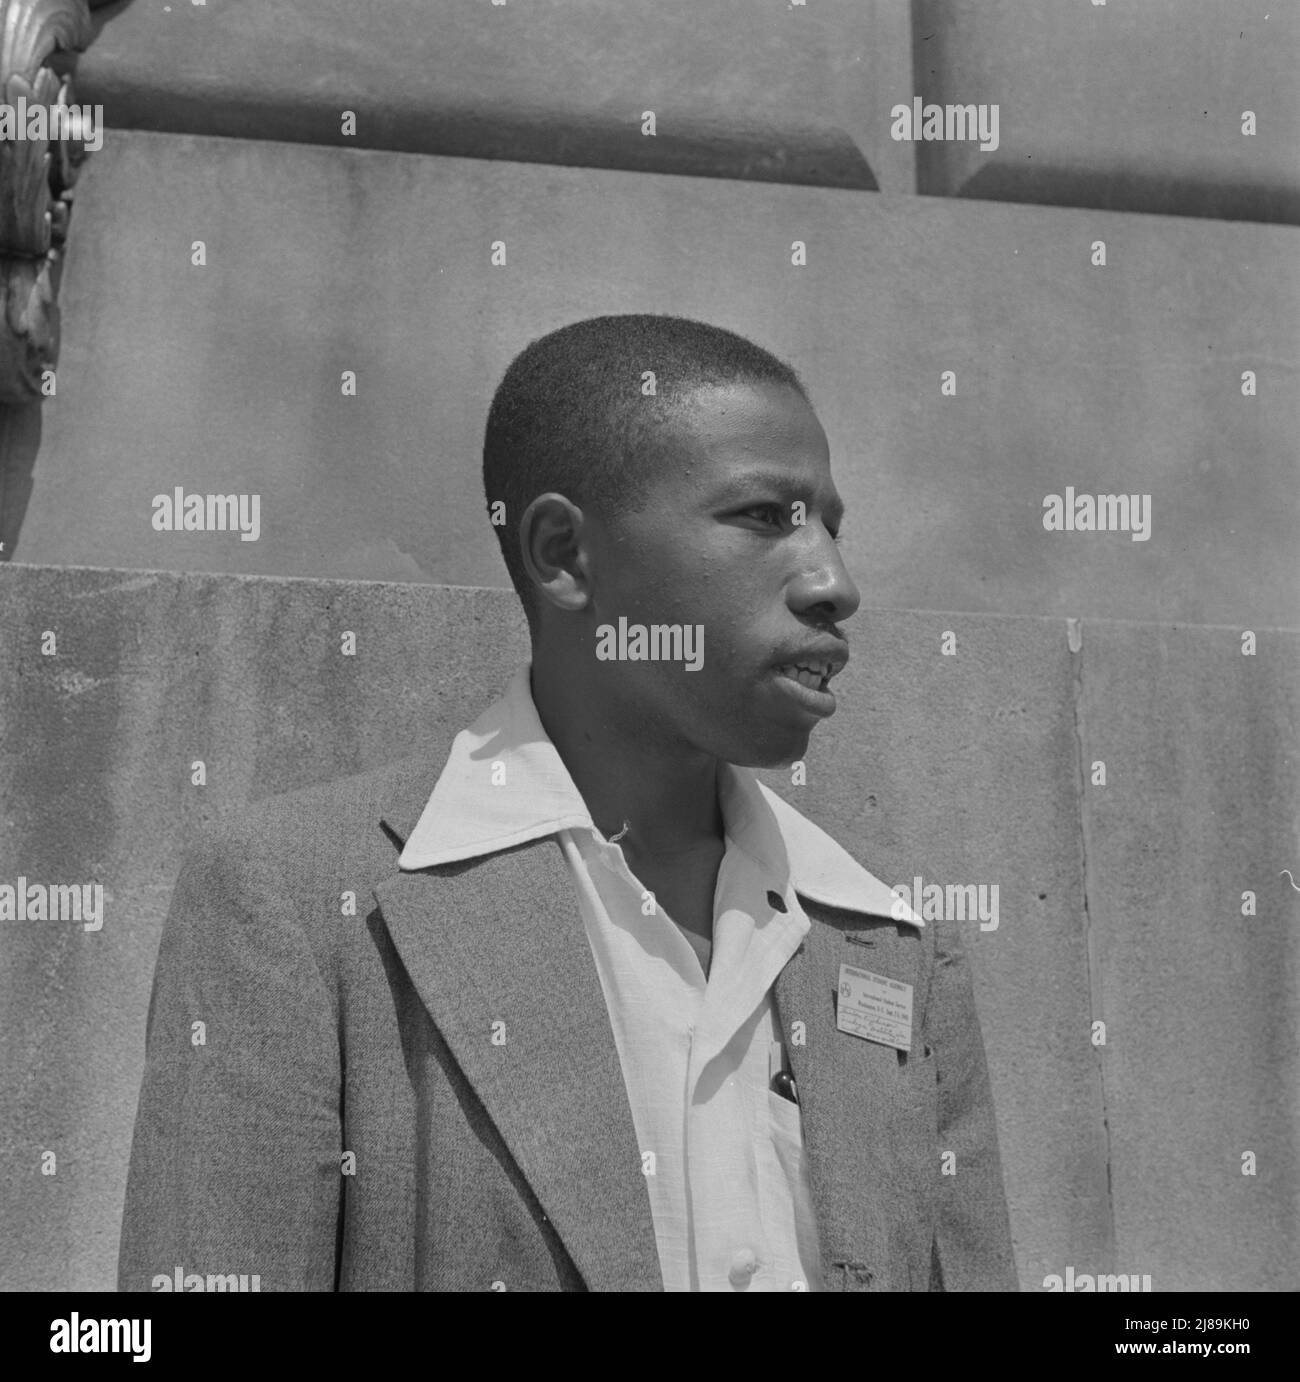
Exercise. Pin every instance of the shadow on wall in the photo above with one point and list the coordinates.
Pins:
(1153, 194)
(20, 440)
(701, 146)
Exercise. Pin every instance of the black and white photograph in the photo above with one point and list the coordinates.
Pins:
(650, 647)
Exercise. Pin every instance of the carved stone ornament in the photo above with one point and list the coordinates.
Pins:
(37, 172)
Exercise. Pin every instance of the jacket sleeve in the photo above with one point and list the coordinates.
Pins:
(235, 1159)
(972, 1240)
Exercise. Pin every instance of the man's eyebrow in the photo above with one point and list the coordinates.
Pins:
(789, 487)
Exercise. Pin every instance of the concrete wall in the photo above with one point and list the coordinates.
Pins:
(1132, 106)
(740, 90)
(1199, 809)
(226, 378)
(966, 768)
(1128, 106)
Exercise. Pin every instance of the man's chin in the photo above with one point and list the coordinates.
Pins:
(776, 751)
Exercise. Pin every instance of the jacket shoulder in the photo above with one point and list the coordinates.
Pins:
(393, 790)
(332, 825)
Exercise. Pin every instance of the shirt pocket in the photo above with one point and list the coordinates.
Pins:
(790, 1191)
(785, 1121)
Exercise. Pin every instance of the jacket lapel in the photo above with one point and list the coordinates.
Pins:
(500, 940)
(845, 1086)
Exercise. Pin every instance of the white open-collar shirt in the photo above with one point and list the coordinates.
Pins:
(721, 1153)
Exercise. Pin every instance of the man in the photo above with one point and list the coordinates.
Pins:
(620, 1017)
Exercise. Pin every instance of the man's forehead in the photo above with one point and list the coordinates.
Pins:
(748, 441)
(741, 405)
(740, 425)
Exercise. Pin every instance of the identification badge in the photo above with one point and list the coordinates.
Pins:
(875, 1007)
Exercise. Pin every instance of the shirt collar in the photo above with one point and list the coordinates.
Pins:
(504, 784)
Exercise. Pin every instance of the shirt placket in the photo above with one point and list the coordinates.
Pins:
(732, 1250)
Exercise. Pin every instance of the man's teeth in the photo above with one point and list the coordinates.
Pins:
(805, 676)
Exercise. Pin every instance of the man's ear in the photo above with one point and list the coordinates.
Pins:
(550, 544)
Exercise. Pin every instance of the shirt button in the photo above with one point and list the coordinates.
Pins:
(743, 1266)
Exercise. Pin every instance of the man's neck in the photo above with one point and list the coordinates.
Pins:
(668, 802)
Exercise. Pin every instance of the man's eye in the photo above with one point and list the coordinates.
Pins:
(778, 513)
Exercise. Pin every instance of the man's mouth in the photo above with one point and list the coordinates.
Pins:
(807, 684)
(814, 675)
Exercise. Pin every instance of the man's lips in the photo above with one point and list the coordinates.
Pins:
(814, 665)
(805, 674)
(811, 696)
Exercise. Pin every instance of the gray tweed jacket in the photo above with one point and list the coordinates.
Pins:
(323, 1105)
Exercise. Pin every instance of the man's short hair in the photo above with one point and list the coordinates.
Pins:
(570, 414)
